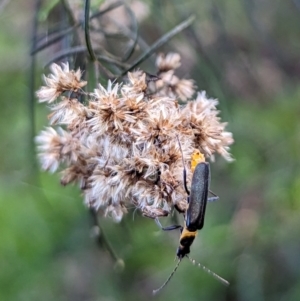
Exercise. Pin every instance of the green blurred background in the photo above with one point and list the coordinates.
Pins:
(246, 53)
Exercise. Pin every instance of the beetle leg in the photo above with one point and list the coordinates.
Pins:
(169, 228)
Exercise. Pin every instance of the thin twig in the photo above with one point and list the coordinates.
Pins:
(31, 96)
(131, 48)
(87, 30)
(100, 236)
(82, 49)
(55, 35)
(165, 38)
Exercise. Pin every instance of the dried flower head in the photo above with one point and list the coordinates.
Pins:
(169, 84)
(122, 147)
(171, 61)
(61, 80)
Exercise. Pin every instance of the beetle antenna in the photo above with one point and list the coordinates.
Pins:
(167, 281)
(184, 169)
(216, 276)
(180, 149)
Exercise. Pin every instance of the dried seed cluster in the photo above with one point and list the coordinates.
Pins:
(121, 145)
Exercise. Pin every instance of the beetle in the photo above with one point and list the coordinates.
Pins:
(194, 218)
(197, 200)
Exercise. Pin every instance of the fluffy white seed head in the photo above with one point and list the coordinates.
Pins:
(121, 147)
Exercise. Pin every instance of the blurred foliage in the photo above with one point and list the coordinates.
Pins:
(243, 52)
